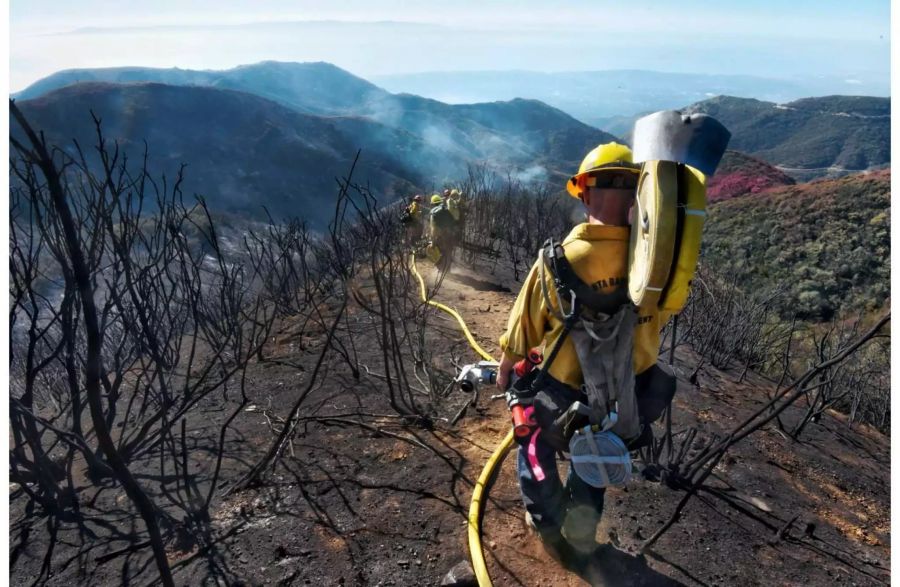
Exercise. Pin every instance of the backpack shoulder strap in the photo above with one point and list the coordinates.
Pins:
(568, 283)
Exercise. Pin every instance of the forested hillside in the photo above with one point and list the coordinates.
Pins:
(825, 244)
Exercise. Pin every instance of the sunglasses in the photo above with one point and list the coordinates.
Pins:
(606, 181)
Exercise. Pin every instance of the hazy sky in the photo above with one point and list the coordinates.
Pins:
(764, 37)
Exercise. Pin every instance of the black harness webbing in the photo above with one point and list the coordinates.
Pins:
(578, 294)
(566, 280)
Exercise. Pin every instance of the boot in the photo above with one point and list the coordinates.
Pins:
(580, 530)
(558, 548)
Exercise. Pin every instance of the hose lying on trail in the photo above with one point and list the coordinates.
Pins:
(452, 312)
(482, 486)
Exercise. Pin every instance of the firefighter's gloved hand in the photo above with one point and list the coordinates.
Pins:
(504, 372)
(510, 398)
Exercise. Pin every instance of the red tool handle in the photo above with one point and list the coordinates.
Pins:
(523, 367)
(522, 424)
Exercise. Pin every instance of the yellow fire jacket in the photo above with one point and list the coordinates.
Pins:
(415, 210)
(453, 207)
(599, 256)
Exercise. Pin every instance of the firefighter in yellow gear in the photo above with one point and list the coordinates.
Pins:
(566, 516)
(444, 231)
(415, 208)
(412, 218)
(598, 252)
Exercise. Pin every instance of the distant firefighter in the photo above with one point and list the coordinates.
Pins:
(412, 218)
(444, 231)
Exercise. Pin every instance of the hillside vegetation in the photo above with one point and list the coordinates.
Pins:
(739, 174)
(826, 244)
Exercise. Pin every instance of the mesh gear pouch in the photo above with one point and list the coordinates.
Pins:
(605, 344)
(600, 459)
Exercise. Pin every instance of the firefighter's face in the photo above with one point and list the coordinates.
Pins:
(612, 206)
(613, 197)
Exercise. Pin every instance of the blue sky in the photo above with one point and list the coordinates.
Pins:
(775, 39)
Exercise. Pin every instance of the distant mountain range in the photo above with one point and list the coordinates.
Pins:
(808, 138)
(243, 152)
(604, 98)
(508, 134)
(314, 88)
(277, 134)
(519, 132)
(827, 136)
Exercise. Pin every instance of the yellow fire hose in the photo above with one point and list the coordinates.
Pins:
(482, 486)
(452, 312)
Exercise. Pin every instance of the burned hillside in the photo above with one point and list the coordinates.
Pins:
(270, 405)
